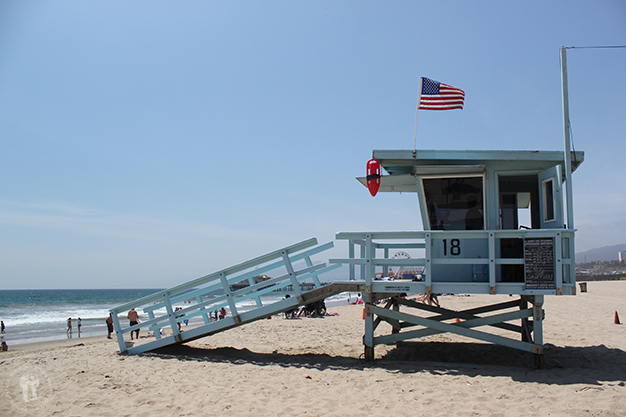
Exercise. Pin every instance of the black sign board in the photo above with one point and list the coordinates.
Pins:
(539, 263)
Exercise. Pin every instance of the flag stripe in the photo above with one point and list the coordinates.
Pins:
(441, 101)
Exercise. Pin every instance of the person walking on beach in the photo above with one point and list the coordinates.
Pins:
(79, 324)
(133, 316)
(3, 331)
(69, 327)
(109, 322)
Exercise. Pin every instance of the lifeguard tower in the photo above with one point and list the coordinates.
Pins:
(493, 223)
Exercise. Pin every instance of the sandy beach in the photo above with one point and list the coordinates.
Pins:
(312, 366)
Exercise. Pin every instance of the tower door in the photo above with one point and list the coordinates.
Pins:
(551, 198)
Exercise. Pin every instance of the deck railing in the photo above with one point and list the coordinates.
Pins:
(467, 261)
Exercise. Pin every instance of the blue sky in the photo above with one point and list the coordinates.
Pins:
(144, 144)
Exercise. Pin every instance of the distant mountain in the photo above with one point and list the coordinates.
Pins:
(607, 253)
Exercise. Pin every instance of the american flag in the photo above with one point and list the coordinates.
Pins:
(438, 96)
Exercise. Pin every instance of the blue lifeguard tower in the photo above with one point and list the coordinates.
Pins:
(493, 223)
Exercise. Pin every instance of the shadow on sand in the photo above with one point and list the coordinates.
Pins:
(592, 365)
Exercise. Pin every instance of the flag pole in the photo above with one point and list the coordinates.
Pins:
(566, 127)
(419, 98)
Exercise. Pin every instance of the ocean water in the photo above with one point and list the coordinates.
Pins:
(32, 316)
(41, 315)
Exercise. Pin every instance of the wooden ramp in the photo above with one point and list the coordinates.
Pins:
(243, 289)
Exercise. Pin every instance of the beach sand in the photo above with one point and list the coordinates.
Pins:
(311, 366)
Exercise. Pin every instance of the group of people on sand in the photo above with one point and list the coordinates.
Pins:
(359, 300)
(219, 314)
(133, 318)
(314, 309)
(186, 321)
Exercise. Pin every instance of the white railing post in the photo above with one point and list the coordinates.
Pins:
(428, 277)
(316, 280)
(205, 318)
(154, 327)
(558, 263)
(229, 296)
(369, 264)
(385, 267)
(292, 275)
(118, 331)
(351, 256)
(170, 314)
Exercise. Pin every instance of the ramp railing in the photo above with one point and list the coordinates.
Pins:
(239, 289)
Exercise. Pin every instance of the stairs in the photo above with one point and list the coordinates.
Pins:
(224, 288)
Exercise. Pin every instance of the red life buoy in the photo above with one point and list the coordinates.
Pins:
(373, 176)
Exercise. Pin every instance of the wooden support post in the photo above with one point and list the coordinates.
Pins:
(538, 319)
(368, 337)
(523, 305)
(538, 330)
(396, 307)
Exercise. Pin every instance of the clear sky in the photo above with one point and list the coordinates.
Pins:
(146, 143)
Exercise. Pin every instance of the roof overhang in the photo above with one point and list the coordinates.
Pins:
(420, 162)
(404, 166)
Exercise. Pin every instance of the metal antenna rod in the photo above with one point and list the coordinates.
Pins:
(566, 127)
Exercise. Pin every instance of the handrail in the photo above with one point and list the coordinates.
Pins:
(229, 271)
(283, 259)
(237, 278)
